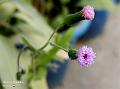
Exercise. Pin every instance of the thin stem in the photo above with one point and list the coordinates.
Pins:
(56, 45)
(33, 64)
(48, 40)
(18, 58)
(70, 20)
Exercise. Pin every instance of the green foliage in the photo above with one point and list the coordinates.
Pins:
(45, 58)
(27, 23)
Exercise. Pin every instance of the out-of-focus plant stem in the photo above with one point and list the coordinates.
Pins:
(58, 46)
(68, 21)
(33, 64)
(48, 40)
(18, 75)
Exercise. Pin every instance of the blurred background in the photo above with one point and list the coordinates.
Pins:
(35, 20)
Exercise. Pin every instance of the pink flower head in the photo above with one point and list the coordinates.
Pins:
(88, 12)
(85, 56)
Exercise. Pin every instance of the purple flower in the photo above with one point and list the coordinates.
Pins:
(85, 56)
(88, 12)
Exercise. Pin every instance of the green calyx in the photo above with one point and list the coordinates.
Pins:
(74, 18)
(72, 54)
(71, 20)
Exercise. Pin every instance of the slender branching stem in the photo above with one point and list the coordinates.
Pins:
(48, 41)
(18, 60)
(58, 46)
(33, 63)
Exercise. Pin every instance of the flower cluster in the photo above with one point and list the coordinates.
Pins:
(84, 56)
(88, 12)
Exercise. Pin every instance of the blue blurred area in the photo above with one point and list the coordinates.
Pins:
(81, 29)
(91, 29)
(55, 78)
(86, 29)
(116, 1)
(97, 24)
(20, 46)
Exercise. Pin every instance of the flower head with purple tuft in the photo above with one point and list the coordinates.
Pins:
(85, 56)
(88, 12)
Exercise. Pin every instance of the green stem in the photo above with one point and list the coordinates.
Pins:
(68, 21)
(58, 46)
(18, 74)
(18, 60)
(47, 41)
(33, 64)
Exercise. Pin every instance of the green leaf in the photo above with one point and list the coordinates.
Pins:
(35, 30)
(63, 40)
(29, 14)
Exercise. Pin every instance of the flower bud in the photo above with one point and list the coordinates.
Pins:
(18, 75)
(70, 20)
(72, 54)
(84, 56)
(88, 12)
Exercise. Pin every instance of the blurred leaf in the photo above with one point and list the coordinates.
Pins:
(8, 60)
(34, 22)
(35, 30)
(33, 37)
(3, 1)
(45, 58)
(39, 84)
(28, 44)
(36, 26)
(39, 25)
(63, 40)
(6, 11)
